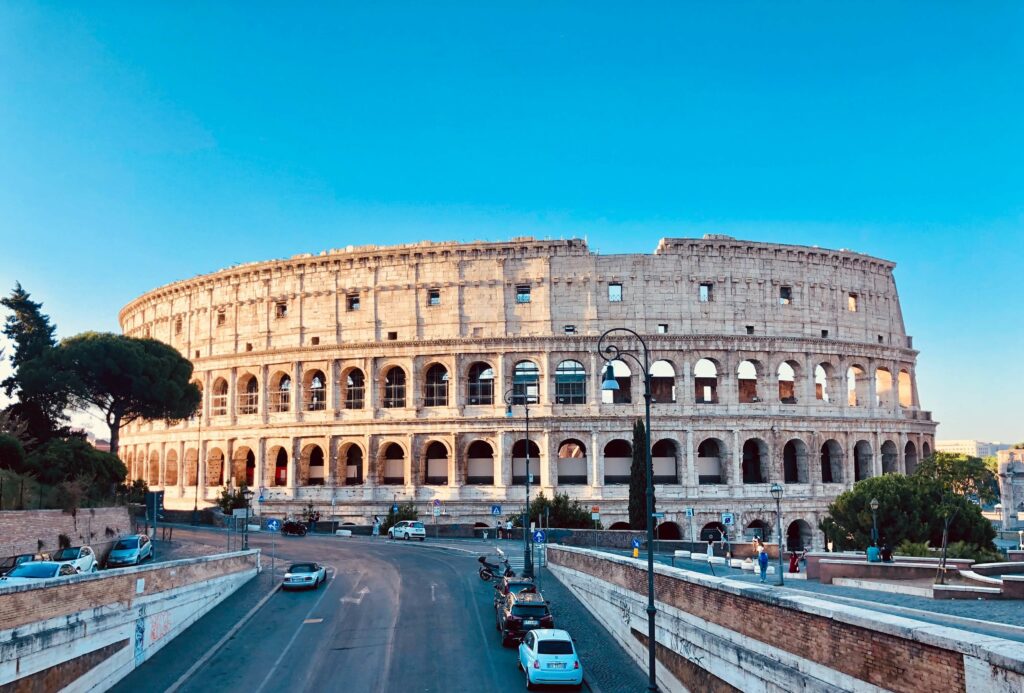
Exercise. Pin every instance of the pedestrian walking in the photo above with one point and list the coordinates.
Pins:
(711, 549)
(762, 563)
(376, 526)
(508, 529)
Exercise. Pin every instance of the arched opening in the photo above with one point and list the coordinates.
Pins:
(481, 384)
(712, 531)
(787, 373)
(668, 531)
(618, 459)
(831, 462)
(705, 382)
(219, 400)
(435, 386)
(171, 472)
(663, 381)
(758, 529)
(250, 469)
(240, 474)
(394, 463)
(214, 467)
(794, 462)
(910, 457)
(864, 459)
(624, 377)
(480, 463)
(570, 383)
(248, 394)
(665, 458)
(619, 525)
(355, 389)
(926, 450)
(525, 383)
(798, 536)
(280, 457)
(520, 450)
(437, 464)
(353, 465)
(856, 386)
(890, 458)
(711, 462)
(394, 388)
(883, 387)
(191, 467)
(755, 461)
(315, 394)
(129, 463)
(572, 462)
(822, 373)
(280, 392)
(311, 471)
(906, 390)
(154, 468)
(481, 525)
(746, 373)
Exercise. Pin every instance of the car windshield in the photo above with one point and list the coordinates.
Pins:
(9, 561)
(34, 570)
(417, 525)
(302, 568)
(66, 555)
(126, 544)
(554, 647)
(530, 610)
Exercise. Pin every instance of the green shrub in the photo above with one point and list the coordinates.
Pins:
(913, 548)
(406, 511)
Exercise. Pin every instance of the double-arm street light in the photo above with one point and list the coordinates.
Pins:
(613, 352)
(523, 397)
(776, 491)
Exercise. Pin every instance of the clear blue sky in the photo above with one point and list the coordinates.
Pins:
(144, 144)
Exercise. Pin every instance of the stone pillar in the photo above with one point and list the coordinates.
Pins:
(595, 474)
(233, 396)
(737, 463)
(407, 465)
(201, 470)
(876, 453)
(548, 478)
(872, 376)
(293, 464)
(226, 467)
(502, 460)
(259, 473)
(691, 463)
(297, 391)
(264, 392)
(163, 465)
(332, 387)
(181, 468)
(809, 396)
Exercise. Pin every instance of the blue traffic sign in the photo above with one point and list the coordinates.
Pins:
(539, 537)
(261, 499)
(636, 543)
(495, 510)
(273, 525)
(394, 508)
(437, 502)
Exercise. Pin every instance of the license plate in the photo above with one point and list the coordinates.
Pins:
(529, 623)
(557, 665)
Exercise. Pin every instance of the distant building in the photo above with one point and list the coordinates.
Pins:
(1011, 486)
(101, 444)
(972, 448)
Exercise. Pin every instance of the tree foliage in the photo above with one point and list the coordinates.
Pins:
(638, 472)
(65, 460)
(561, 511)
(909, 509)
(12, 453)
(962, 475)
(125, 377)
(232, 499)
(406, 511)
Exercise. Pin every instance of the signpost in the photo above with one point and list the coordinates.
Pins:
(496, 510)
(273, 526)
(539, 536)
(154, 508)
(595, 515)
(689, 516)
(728, 519)
(636, 547)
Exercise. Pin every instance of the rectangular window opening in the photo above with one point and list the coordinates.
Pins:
(851, 303)
(177, 326)
(248, 346)
(750, 329)
(662, 328)
(222, 318)
(314, 340)
(705, 292)
(522, 293)
(392, 336)
(281, 310)
(785, 295)
(615, 293)
(881, 339)
(570, 329)
(433, 297)
(824, 334)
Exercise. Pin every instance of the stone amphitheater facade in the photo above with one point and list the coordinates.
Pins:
(358, 377)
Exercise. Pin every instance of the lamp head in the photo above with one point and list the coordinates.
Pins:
(776, 491)
(247, 494)
(874, 504)
(609, 382)
(508, 411)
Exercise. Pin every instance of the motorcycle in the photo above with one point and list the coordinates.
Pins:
(490, 571)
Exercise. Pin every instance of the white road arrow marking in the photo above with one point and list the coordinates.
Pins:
(432, 586)
(357, 600)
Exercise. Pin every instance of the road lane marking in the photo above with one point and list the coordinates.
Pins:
(432, 586)
(356, 600)
(313, 620)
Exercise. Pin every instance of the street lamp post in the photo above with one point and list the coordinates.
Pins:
(611, 353)
(512, 398)
(1020, 539)
(776, 492)
(247, 495)
(874, 522)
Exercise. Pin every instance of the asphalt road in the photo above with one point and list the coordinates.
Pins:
(392, 617)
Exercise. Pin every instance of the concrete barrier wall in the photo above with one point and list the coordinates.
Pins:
(715, 634)
(84, 633)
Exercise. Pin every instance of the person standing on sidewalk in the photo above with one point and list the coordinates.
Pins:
(508, 529)
(762, 563)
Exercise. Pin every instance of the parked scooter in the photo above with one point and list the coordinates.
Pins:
(489, 571)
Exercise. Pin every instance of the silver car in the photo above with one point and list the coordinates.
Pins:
(130, 550)
(304, 576)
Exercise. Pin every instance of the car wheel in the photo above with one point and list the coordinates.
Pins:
(423, 538)
(529, 683)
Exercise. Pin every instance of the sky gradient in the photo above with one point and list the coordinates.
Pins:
(139, 148)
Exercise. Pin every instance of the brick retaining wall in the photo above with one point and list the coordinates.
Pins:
(21, 530)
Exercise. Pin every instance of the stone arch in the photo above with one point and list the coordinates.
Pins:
(794, 462)
(618, 460)
(314, 390)
(712, 531)
(525, 382)
(191, 467)
(570, 382)
(277, 466)
(435, 464)
(154, 469)
(519, 452)
(799, 536)
(480, 463)
(243, 466)
(480, 384)
(394, 390)
(883, 387)
(623, 375)
(926, 450)
(219, 399)
(248, 394)
(822, 376)
(280, 392)
(312, 465)
(906, 389)
(353, 388)
(665, 459)
(712, 462)
(705, 381)
(759, 529)
(831, 462)
(663, 381)
(856, 386)
(572, 462)
(435, 387)
(353, 455)
(669, 531)
(171, 468)
(890, 458)
(214, 467)
(788, 375)
(619, 525)
(392, 466)
(864, 460)
(747, 375)
(755, 461)
(910, 457)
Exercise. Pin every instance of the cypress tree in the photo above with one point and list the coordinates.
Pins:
(638, 479)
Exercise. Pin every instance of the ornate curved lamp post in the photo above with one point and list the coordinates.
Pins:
(524, 398)
(874, 522)
(247, 494)
(776, 491)
(612, 352)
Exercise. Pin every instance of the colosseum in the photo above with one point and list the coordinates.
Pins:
(358, 377)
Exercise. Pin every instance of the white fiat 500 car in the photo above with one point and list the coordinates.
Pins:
(548, 656)
(81, 558)
(304, 576)
(408, 529)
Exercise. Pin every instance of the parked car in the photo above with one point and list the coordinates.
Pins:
(36, 571)
(520, 613)
(511, 585)
(81, 558)
(130, 550)
(293, 529)
(11, 562)
(305, 576)
(408, 529)
(549, 657)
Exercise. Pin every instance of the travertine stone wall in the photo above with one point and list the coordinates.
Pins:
(316, 373)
